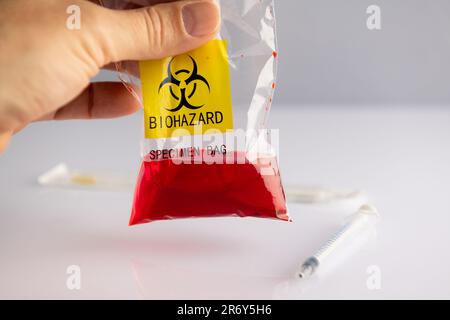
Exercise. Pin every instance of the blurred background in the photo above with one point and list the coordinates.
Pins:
(329, 57)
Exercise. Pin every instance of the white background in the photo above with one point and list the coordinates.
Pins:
(399, 157)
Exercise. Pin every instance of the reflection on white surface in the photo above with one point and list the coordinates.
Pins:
(397, 156)
(178, 283)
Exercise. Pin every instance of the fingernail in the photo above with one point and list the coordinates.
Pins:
(200, 18)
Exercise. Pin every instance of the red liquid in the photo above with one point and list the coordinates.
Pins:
(167, 190)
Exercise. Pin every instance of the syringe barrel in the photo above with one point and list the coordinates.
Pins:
(357, 224)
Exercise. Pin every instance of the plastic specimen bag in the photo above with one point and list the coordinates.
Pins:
(207, 151)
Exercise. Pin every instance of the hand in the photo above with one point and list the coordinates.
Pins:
(45, 68)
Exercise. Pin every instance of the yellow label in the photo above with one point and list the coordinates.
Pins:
(188, 94)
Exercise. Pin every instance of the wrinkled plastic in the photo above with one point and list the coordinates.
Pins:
(202, 181)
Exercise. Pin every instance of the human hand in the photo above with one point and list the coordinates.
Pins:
(46, 67)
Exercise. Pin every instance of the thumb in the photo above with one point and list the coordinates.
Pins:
(158, 31)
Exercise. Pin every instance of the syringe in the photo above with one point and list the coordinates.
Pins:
(366, 216)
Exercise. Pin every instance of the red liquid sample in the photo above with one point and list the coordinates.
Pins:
(167, 190)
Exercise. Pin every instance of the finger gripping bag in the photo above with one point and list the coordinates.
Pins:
(207, 151)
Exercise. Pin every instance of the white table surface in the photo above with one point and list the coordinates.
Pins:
(400, 156)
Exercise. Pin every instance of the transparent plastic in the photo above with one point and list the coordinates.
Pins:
(243, 178)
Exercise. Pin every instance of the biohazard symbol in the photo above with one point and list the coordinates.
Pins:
(187, 82)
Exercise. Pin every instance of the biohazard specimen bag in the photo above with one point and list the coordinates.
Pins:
(207, 151)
